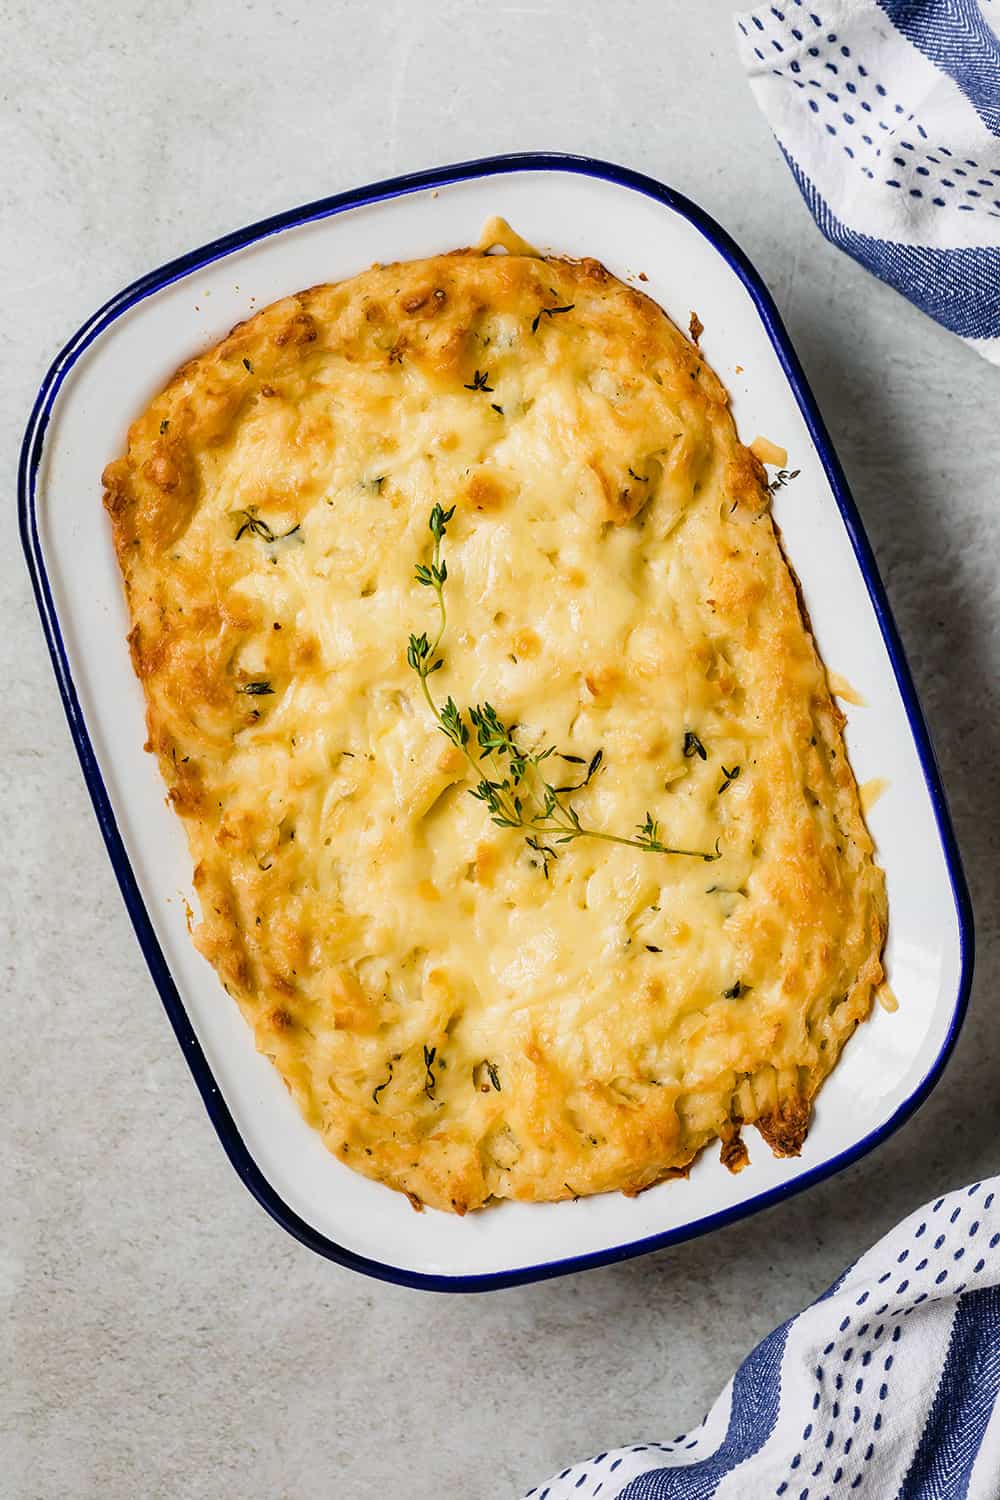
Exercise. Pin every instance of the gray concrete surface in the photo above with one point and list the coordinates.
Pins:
(161, 1337)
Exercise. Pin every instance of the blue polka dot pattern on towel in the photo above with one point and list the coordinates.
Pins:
(870, 96)
(888, 112)
(882, 1386)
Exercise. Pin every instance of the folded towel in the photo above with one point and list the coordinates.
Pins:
(888, 114)
(885, 1388)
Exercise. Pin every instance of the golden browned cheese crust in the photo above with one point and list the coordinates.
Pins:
(457, 1023)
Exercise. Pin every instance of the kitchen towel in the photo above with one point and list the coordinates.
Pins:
(888, 114)
(884, 1389)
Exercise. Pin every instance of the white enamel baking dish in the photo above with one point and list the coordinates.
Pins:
(104, 377)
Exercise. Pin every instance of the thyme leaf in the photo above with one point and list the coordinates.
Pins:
(783, 477)
(430, 1053)
(257, 526)
(549, 312)
(728, 778)
(545, 850)
(380, 1086)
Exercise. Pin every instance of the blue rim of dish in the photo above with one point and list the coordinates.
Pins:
(225, 1126)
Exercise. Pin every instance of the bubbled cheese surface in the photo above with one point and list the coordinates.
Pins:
(456, 1019)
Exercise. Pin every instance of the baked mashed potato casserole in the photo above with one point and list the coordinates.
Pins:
(523, 829)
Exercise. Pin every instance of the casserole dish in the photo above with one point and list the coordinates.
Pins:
(643, 232)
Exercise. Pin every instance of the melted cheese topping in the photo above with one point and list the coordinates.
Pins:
(841, 688)
(454, 1021)
(873, 791)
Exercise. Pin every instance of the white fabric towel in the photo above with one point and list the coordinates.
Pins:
(885, 1389)
(888, 113)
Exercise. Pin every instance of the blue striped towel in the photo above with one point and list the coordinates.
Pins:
(887, 1387)
(884, 1389)
(888, 113)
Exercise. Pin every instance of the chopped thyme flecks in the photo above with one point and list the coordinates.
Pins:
(429, 1081)
(380, 1086)
(492, 1072)
(729, 778)
(693, 746)
(781, 478)
(257, 526)
(549, 312)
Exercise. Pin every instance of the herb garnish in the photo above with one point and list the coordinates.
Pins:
(164, 425)
(592, 770)
(496, 408)
(730, 777)
(480, 381)
(494, 1075)
(736, 990)
(782, 478)
(380, 1086)
(256, 689)
(253, 523)
(650, 948)
(549, 312)
(516, 794)
(693, 746)
(247, 365)
(545, 850)
(429, 1082)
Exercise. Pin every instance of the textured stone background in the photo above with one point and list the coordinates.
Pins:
(164, 1337)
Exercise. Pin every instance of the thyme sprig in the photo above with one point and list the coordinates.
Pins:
(512, 780)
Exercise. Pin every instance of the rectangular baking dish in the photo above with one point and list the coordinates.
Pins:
(649, 235)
